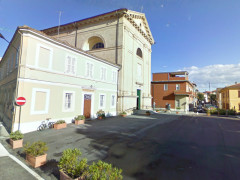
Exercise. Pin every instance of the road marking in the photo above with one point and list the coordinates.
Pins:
(4, 152)
(26, 168)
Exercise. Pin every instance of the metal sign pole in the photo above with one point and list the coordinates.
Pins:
(19, 118)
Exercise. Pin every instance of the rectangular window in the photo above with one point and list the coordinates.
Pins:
(89, 70)
(40, 101)
(165, 87)
(177, 103)
(139, 72)
(68, 101)
(103, 74)
(239, 94)
(113, 101)
(239, 107)
(177, 86)
(102, 101)
(70, 65)
(17, 55)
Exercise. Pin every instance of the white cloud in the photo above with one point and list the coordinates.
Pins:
(218, 75)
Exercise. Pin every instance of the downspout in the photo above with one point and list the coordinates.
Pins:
(76, 34)
(18, 74)
(116, 52)
(116, 56)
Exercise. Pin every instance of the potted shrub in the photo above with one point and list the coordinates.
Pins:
(103, 170)
(148, 113)
(60, 124)
(100, 114)
(71, 166)
(79, 119)
(177, 108)
(36, 153)
(16, 139)
(123, 114)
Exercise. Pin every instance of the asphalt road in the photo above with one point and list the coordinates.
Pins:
(166, 147)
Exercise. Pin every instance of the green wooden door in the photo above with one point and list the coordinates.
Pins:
(138, 99)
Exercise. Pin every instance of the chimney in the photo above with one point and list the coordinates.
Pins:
(235, 82)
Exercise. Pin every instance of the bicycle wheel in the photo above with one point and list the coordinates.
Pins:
(41, 127)
(50, 124)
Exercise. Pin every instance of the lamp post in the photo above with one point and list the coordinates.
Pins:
(1, 36)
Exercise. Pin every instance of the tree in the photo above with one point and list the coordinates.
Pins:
(213, 98)
(200, 97)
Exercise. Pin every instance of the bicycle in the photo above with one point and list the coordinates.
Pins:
(46, 125)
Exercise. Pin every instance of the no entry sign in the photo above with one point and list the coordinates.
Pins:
(20, 101)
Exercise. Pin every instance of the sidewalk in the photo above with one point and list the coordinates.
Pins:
(12, 168)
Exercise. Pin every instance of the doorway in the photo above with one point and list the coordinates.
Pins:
(87, 105)
(138, 98)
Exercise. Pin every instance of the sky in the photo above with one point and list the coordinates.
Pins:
(199, 36)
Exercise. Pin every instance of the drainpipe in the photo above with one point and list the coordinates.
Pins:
(76, 34)
(116, 54)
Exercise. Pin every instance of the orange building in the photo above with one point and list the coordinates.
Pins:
(173, 88)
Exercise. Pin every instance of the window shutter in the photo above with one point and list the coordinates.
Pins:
(91, 70)
(73, 65)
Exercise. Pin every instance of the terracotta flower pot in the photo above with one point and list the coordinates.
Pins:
(16, 143)
(36, 161)
(176, 112)
(123, 115)
(148, 114)
(60, 126)
(100, 117)
(77, 122)
(64, 176)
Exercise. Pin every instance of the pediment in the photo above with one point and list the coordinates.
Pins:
(139, 21)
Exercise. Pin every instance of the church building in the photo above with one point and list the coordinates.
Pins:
(122, 37)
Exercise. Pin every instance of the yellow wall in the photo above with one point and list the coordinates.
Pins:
(230, 96)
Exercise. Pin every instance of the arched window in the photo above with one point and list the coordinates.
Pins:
(94, 42)
(139, 52)
(98, 45)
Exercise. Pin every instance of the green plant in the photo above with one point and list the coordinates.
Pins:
(123, 113)
(222, 111)
(35, 149)
(71, 164)
(103, 170)
(60, 122)
(147, 112)
(214, 111)
(178, 108)
(16, 135)
(101, 113)
(231, 112)
(79, 117)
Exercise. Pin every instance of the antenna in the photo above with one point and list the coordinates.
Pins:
(141, 9)
(59, 18)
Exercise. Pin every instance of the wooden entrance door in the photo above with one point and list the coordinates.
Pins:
(87, 105)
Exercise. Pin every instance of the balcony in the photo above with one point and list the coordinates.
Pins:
(185, 93)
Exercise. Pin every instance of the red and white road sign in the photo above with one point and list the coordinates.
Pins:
(20, 101)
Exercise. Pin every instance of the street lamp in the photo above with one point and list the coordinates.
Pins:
(1, 36)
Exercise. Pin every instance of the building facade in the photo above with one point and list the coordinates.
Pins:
(173, 88)
(122, 37)
(58, 81)
(230, 97)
